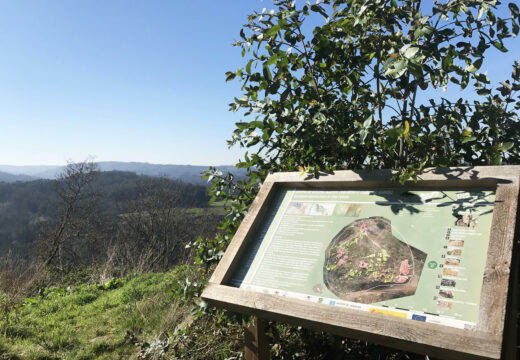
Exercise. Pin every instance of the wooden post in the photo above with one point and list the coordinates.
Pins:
(256, 345)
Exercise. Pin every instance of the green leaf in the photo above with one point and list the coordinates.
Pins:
(319, 9)
(363, 135)
(367, 122)
(506, 146)
(483, 92)
(267, 73)
(499, 46)
(320, 118)
(409, 51)
(482, 78)
(422, 31)
(397, 69)
(272, 31)
(475, 66)
(455, 80)
(241, 126)
(467, 132)
(447, 62)
(497, 159)
(415, 69)
(230, 76)
(464, 81)
(394, 132)
(272, 60)
(468, 139)
(480, 12)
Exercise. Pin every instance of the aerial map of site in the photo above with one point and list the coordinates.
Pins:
(413, 254)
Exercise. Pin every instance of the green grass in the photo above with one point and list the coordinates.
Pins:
(89, 322)
(216, 208)
(219, 203)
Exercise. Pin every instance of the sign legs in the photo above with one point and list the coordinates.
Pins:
(256, 345)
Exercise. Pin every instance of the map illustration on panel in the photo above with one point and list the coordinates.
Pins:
(366, 263)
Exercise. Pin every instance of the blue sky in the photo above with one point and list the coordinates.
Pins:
(124, 80)
(119, 80)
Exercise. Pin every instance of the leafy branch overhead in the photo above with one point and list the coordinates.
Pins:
(353, 84)
(347, 95)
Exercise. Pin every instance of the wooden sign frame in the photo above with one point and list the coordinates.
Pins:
(495, 335)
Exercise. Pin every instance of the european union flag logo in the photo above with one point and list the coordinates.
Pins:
(418, 317)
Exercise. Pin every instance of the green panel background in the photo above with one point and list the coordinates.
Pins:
(409, 224)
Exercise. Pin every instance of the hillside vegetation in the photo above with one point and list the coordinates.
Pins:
(132, 318)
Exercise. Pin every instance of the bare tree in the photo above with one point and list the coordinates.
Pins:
(151, 233)
(76, 211)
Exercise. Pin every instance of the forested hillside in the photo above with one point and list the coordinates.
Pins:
(27, 207)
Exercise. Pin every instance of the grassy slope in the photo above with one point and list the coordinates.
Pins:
(86, 322)
(90, 323)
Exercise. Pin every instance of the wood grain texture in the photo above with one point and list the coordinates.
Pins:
(425, 338)
(493, 297)
(230, 259)
(256, 345)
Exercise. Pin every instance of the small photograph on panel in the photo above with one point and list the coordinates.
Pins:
(448, 282)
(455, 252)
(350, 210)
(298, 208)
(456, 243)
(445, 305)
(446, 294)
(450, 272)
(321, 209)
(452, 261)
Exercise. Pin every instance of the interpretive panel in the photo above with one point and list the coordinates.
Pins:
(418, 255)
(425, 266)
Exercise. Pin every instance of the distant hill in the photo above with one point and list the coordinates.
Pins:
(31, 170)
(8, 178)
(186, 173)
